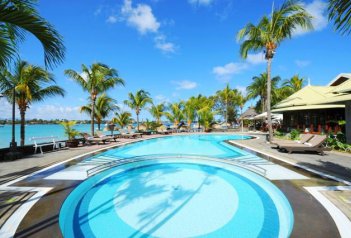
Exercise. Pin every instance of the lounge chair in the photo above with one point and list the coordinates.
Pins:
(90, 139)
(303, 139)
(109, 137)
(163, 131)
(129, 134)
(314, 144)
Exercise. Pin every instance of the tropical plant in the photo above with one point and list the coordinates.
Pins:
(258, 88)
(241, 99)
(137, 102)
(69, 131)
(32, 84)
(226, 100)
(19, 17)
(269, 33)
(206, 114)
(293, 85)
(95, 79)
(175, 113)
(340, 14)
(157, 111)
(123, 119)
(103, 107)
(189, 110)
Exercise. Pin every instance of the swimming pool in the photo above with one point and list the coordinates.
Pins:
(176, 197)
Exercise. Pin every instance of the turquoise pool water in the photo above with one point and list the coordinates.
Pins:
(211, 145)
(176, 197)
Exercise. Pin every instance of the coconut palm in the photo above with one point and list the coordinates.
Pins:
(175, 113)
(19, 17)
(340, 14)
(123, 119)
(258, 88)
(241, 100)
(138, 101)
(32, 84)
(189, 111)
(294, 84)
(103, 107)
(269, 33)
(206, 113)
(157, 111)
(225, 97)
(95, 79)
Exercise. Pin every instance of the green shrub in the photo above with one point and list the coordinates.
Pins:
(294, 134)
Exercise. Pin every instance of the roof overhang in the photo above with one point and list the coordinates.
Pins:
(309, 107)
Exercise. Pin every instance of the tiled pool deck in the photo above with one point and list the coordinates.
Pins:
(41, 199)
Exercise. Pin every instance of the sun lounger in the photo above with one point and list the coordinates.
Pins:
(163, 132)
(303, 139)
(109, 137)
(314, 144)
(90, 139)
(129, 134)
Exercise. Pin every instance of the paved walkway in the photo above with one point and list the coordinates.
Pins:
(334, 163)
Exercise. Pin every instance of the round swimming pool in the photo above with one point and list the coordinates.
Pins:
(176, 198)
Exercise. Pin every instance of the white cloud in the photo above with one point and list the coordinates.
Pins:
(224, 73)
(201, 2)
(302, 63)
(111, 19)
(256, 58)
(55, 111)
(185, 84)
(140, 17)
(317, 9)
(161, 98)
(242, 89)
(165, 46)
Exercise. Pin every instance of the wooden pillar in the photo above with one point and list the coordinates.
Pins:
(348, 121)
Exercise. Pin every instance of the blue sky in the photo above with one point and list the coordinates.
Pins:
(176, 49)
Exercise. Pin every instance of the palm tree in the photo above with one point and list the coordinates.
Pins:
(258, 88)
(138, 102)
(340, 14)
(294, 84)
(103, 107)
(32, 84)
(175, 113)
(268, 35)
(95, 80)
(225, 96)
(123, 119)
(157, 111)
(205, 112)
(190, 110)
(241, 99)
(19, 17)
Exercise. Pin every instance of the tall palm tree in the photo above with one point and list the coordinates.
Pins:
(340, 14)
(241, 100)
(103, 107)
(157, 111)
(123, 119)
(258, 88)
(19, 17)
(269, 33)
(175, 113)
(137, 102)
(95, 79)
(32, 84)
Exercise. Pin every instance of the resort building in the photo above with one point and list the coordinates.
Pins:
(319, 109)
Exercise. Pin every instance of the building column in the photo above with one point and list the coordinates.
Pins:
(348, 121)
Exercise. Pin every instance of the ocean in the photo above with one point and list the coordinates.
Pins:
(38, 131)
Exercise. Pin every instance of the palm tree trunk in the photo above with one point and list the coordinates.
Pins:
(23, 122)
(99, 124)
(269, 62)
(137, 115)
(92, 115)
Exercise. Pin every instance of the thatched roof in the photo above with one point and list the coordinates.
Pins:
(249, 113)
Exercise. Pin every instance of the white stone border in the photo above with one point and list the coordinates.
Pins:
(294, 164)
(340, 219)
